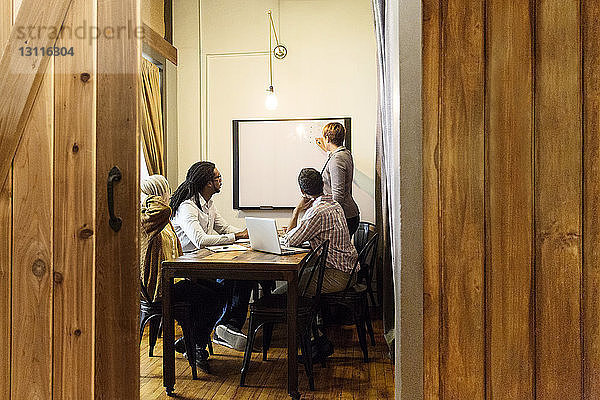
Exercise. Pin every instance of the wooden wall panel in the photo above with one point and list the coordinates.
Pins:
(431, 253)
(74, 190)
(31, 356)
(509, 193)
(558, 200)
(5, 239)
(21, 76)
(5, 23)
(117, 253)
(540, 168)
(591, 197)
(462, 199)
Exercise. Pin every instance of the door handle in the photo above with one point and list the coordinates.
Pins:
(114, 175)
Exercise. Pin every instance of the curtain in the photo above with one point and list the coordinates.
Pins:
(152, 118)
(388, 164)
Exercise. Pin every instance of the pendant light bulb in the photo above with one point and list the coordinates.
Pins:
(271, 100)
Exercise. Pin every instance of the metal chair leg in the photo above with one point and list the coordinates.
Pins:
(267, 337)
(190, 346)
(252, 328)
(153, 335)
(369, 326)
(210, 348)
(306, 348)
(362, 337)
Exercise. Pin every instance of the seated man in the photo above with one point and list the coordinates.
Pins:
(197, 225)
(158, 243)
(324, 219)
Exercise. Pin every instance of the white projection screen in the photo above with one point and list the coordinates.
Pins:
(269, 154)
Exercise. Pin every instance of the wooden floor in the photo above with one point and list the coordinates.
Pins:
(344, 377)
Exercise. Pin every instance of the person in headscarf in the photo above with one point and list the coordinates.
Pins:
(160, 243)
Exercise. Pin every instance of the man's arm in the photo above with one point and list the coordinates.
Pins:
(193, 230)
(306, 230)
(308, 227)
(304, 205)
(222, 227)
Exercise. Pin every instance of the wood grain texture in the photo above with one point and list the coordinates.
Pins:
(5, 23)
(5, 286)
(5, 239)
(117, 253)
(31, 356)
(20, 77)
(242, 259)
(344, 377)
(159, 44)
(431, 227)
(591, 198)
(509, 192)
(74, 190)
(558, 195)
(462, 199)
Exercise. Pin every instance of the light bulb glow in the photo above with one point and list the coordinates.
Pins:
(271, 101)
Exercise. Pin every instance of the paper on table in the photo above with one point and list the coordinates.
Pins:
(243, 241)
(229, 247)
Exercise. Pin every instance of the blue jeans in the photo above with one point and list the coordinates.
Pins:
(237, 298)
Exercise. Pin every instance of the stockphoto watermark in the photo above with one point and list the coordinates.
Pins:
(86, 31)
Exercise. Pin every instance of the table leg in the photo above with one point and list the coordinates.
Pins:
(292, 314)
(168, 335)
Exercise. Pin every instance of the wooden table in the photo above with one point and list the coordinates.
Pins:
(238, 265)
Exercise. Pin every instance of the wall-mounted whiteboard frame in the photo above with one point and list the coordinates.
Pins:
(238, 129)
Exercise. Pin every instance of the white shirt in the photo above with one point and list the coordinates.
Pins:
(197, 228)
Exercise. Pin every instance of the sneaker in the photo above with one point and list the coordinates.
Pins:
(228, 336)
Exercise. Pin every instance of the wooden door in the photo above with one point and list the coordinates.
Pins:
(68, 281)
(511, 158)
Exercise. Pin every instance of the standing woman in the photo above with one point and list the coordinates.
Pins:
(338, 173)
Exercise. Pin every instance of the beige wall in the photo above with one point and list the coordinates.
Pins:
(330, 71)
(186, 38)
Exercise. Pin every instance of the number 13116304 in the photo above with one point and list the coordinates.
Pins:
(46, 51)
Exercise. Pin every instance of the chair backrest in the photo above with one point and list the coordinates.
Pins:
(369, 256)
(314, 262)
(366, 259)
(144, 293)
(363, 234)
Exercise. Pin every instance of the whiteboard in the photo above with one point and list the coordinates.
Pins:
(268, 156)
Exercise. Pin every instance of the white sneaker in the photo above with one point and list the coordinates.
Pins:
(230, 337)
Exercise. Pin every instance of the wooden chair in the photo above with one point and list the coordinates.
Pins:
(365, 231)
(151, 313)
(271, 309)
(354, 298)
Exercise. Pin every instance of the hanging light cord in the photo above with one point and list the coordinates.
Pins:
(271, 51)
(272, 25)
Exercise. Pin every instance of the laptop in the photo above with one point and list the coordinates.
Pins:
(263, 237)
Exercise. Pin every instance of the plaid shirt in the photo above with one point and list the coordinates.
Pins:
(325, 220)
